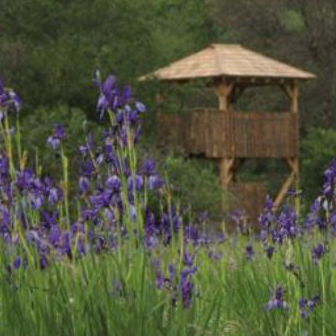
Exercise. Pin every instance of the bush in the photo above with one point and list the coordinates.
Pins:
(195, 183)
(318, 148)
(37, 127)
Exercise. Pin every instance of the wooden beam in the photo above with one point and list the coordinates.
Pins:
(284, 189)
(259, 81)
(294, 166)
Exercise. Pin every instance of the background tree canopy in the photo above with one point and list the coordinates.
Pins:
(49, 50)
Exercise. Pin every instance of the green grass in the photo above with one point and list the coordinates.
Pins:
(78, 297)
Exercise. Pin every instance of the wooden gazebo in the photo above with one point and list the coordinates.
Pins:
(226, 136)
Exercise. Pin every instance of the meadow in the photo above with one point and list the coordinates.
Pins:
(119, 256)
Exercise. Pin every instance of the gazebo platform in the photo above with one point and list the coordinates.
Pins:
(225, 134)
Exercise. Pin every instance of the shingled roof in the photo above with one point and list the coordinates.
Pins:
(227, 60)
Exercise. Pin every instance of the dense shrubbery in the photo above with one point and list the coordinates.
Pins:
(195, 184)
(318, 148)
(101, 261)
(36, 128)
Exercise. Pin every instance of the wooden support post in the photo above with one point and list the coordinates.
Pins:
(225, 171)
(294, 166)
(295, 98)
(292, 91)
(223, 90)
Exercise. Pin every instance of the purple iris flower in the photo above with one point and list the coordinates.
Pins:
(55, 195)
(155, 182)
(36, 200)
(113, 183)
(171, 270)
(151, 242)
(238, 218)
(140, 107)
(277, 300)
(220, 237)
(43, 261)
(109, 93)
(134, 182)
(9, 100)
(17, 262)
(213, 255)
(159, 276)
(83, 184)
(160, 280)
(302, 303)
(133, 213)
(312, 302)
(54, 140)
(249, 252)
(188, 259)
(89, 146)
(117, 287)
(186, 286)
(269, 251)
(148, 167)
(329, 180)
(307, 305)
(317, 252)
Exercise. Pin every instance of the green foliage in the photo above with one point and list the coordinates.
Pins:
(318, 148)
(52, 44)
(58, 44)
(291, 20)
(195, 184)
(37, 127)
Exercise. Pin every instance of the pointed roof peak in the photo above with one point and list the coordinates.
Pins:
(221, 45)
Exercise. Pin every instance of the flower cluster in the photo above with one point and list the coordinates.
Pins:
(180, 284)
(111, 190)
(122, 109)
(111, 208)
(239, 220)
(111, 202)
(283, 224)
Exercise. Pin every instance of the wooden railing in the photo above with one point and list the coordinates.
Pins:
(218, 134)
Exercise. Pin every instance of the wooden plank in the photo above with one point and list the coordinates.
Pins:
(228, 135)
